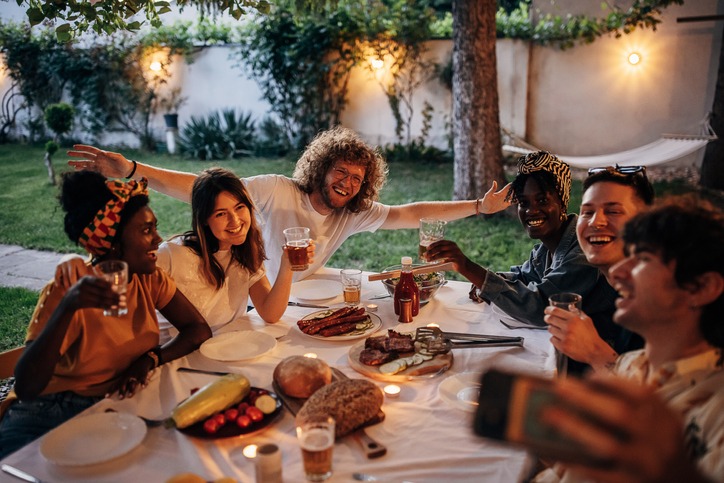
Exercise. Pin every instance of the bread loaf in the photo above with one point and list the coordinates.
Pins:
(300, 376)
(351, 402)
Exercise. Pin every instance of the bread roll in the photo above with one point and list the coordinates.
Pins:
(300, 376)
(351, 402)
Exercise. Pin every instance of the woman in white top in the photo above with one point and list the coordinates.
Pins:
(219, 263)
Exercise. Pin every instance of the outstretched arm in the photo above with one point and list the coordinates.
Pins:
(114, 165)
(408, 215)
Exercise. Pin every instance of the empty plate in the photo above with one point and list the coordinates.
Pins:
(461, 390)
(238, 346)
(316, 289)
(91, 439)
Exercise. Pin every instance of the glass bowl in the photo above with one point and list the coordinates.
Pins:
(428, 283)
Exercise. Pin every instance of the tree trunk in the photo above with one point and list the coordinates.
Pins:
(475, 117)
(712, 168)
(49, 165)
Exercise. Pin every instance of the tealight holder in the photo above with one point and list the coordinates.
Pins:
(392, 391)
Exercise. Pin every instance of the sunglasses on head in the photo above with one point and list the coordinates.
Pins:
(621, 170)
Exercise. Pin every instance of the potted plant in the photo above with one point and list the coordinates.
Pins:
(171, 104)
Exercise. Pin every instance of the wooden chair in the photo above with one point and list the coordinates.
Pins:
(8, 359)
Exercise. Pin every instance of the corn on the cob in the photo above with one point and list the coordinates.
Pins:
(213, 397)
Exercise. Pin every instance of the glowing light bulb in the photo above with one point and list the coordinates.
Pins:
(155, 66)
(634, 58)
(377, 63)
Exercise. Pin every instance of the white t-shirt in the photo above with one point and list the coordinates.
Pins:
(219, 307)
(281, 204)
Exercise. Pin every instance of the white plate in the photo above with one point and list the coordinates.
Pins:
(238, 345)
(91, 439)
(374, 318)
(461, 390)
(316, 289)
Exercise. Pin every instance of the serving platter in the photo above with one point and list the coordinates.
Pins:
(427, 369)
(231, 430)
(374, 321)
(316, 290)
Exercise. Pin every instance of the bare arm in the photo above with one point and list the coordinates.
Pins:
(271, 302)
(408, 215)
(114, 165)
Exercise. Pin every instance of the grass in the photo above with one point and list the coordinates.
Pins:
(30, 217)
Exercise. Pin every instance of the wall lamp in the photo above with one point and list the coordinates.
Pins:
(634, 58)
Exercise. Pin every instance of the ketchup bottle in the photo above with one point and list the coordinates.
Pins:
(406, 288)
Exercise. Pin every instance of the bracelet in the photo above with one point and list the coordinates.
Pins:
(477, 204)
(155, 355)
(133, 171)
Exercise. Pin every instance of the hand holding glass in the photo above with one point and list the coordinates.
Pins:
(572, 302)
(297, 241)
(316, 439)
(116, 272)
(351, 285)
(431, 230)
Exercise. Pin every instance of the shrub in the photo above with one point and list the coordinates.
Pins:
(221, 135)
(59, 118)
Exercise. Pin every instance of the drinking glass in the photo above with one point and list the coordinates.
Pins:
(351, 285)
(316, 439)
(571, 302)
(431, 230)
(297, 241)
(116, 272)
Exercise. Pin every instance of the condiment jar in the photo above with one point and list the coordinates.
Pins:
(406, 288)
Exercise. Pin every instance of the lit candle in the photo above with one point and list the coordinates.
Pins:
(250, 451)
(392, 390)
(433, 325)
(311, 355)
(371, 307)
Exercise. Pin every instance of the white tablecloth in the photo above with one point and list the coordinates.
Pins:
(428, 439)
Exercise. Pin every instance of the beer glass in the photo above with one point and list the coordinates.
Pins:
(572, 303)
(297, 241)
(316, 439)
(116, 272)
(431, 230)
(351, 285)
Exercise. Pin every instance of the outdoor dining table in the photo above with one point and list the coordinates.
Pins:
(428, 438)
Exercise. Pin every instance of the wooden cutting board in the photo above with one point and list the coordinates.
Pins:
(372, 448)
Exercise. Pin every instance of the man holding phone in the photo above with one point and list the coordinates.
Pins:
(611, 197)
(662, 419)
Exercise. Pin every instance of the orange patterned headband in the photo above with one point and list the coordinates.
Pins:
(98, 236)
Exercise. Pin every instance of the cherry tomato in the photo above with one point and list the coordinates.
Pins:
(211, 425)
(220, 418)
(254, 413)
(231, 414)
(243, 421)
(242, 407)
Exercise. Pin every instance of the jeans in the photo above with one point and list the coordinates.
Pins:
(25, 421)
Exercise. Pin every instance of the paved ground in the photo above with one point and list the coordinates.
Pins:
(29, 269)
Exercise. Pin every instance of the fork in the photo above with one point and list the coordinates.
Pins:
(150, 423)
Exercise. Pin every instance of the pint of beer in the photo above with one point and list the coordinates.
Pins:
(297, 241)
(431, 230)
(316, 439)
(351, 285)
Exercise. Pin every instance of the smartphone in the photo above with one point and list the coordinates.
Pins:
(509, 408)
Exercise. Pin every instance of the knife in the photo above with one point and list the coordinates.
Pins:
(311, 306)
(17, 473)
(202, 371)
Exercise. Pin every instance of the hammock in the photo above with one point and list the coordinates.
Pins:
(668, 147)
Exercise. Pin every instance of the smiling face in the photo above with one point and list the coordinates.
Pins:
(649, 296)
(605, 209)
(541, 213)
(229, 221)
(139, 242)
(341, 184)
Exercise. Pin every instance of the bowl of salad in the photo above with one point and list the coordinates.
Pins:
(428, 283)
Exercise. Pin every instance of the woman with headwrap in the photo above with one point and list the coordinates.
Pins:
(75, 355)
(541, 190)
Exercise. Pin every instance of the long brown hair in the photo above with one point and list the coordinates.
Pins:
(208, 186)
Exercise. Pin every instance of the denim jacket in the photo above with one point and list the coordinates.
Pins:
(523, 291)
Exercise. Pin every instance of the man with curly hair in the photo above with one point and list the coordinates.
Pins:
(334, 191)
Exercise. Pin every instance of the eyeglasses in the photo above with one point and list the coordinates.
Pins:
(341, 173)
(620, 170)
